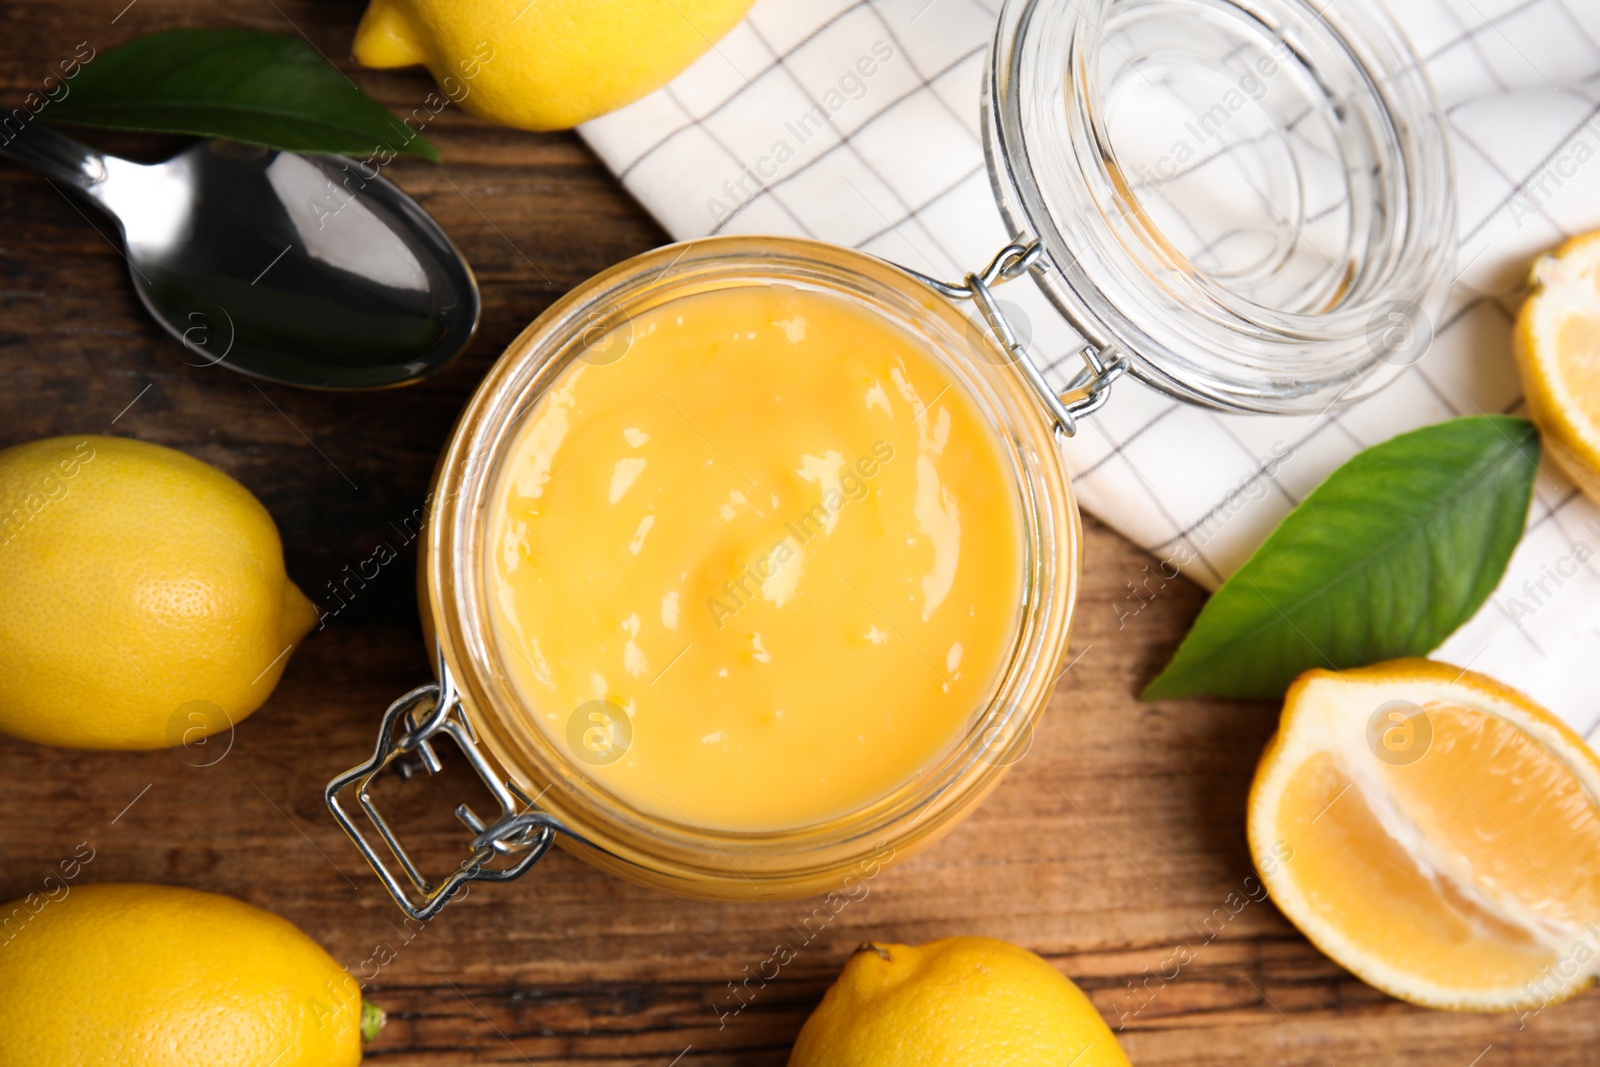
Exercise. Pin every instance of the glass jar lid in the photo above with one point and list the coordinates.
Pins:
(1250, 200)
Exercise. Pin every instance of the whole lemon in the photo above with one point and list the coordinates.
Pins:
(143, 600)
(544, 64)
(152, 976)
(952, 1003)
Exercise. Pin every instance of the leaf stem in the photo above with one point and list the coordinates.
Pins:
(372, 1020)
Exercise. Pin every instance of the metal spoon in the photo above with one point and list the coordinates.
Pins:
(305, 270)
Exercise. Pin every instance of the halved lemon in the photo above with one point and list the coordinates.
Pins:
(1557, 345)
(1434, 832)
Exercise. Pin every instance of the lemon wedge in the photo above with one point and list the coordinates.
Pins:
(1557, 345)
(1434, 832)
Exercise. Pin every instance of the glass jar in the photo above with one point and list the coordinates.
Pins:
(1250, 199)
(1280, 285)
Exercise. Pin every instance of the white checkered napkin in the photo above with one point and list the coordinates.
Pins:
(858, 122)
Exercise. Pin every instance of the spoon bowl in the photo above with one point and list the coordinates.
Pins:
(307, 270)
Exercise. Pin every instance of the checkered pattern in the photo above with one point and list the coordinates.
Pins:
(857, 122)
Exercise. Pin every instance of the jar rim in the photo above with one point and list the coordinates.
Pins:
(705, 861)
(1115, 265)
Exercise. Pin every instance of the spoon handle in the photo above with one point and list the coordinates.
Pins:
(55, 155)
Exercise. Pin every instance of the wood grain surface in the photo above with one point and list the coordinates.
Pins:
(1115, 841)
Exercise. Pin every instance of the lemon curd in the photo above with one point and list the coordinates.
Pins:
(754, 560)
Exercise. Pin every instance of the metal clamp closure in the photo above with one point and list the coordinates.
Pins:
(412, 726)
(1087, 392)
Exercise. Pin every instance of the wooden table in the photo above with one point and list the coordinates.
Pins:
(1114, 842)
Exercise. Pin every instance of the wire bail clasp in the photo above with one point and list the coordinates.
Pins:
(1087, 391)
(411, 727)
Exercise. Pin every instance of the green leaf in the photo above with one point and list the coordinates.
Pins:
(245, 85)
(1385, 559)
